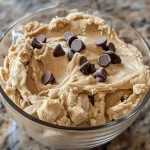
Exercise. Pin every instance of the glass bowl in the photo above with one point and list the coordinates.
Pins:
(61, 137)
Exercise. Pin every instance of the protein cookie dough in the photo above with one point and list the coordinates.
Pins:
(74, 71)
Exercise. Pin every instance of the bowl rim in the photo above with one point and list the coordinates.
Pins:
(90, 128)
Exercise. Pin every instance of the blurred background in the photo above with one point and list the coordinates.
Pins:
(135, 12)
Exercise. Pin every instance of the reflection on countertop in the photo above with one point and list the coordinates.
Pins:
(136, 13)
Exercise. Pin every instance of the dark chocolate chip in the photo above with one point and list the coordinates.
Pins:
(116, 59)
(77, 45)
(85, 68)
(112, 47)
(36, 44)
(83, 60)
(101, 41)
(68, 34)
(100, 75)
(91, 99)
(103, 73)
(104, 60)
(97, 74)
(58, 51)
(71, 39)
(70, 54)
(41, 38)
(110, 53)
(92, 68)
(48, 78)
(105, 47)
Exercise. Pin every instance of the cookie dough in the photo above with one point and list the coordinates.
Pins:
(68, 94)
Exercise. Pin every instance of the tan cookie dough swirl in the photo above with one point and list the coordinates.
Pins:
(73, 98)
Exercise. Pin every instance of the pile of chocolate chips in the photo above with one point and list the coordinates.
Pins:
(75, 44)
(109, 55)
(36, 43)
(104, 60)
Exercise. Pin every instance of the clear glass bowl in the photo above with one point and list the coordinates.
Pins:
(60, 137)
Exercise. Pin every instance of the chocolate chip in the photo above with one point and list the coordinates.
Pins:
(41, 38)
(83, 60)
(58, 51)
(92, 68)
(70, 54)
(103, 73)
(110, 53)
(68, 34)
(85, 68)
(97, 74)
(101, 41)
(71, 39)
(112, 47)
(36, 44)
(91, 99)
(116, 59)
(100, 75)
(48, 78)
(104, 60)
(77, 45)
(106, 48)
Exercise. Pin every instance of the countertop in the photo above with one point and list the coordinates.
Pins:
(135, 13)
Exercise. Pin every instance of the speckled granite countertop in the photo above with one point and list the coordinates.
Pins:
(136, 13)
